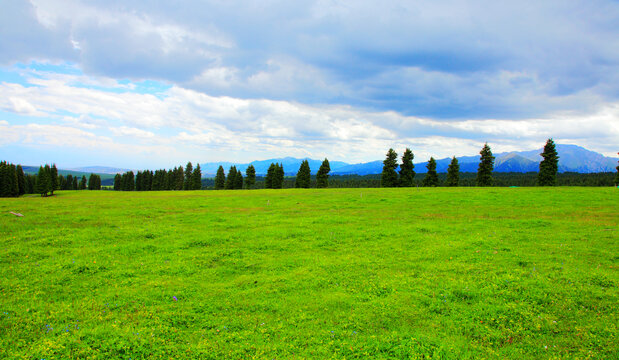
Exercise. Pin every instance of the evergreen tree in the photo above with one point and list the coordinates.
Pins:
(303, 176)
(431, 178)
(117, 182)
(62, 182)
(238, 180)
(231, 178)
(30, 184)
(54, 178)
(407, 174)
(549, 166)
(278, 176)
(69, 185)
(13, 181)
(129, 181)
(250, 177)
(179, 177)
(21, 180)
(75, 185)
(220, 179)
(196, 178)
(389, 177)
(453, 173)
(617, 177)
(322, 176)
(268, 181)
(92, 181)
(44, 181)
(188, 185)
(486, 166)
(3, 181)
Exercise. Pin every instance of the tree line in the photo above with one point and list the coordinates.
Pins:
(14, 182)
(189, 178)
(547, 175)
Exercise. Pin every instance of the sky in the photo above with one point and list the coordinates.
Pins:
(156, 84)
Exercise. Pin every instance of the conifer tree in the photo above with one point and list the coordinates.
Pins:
(231, 178)
(62, 182)
(389, 177)
(188, 184)
(14, 180)
(322, 176)
(238, 180)
(138, 181)
(21, 180)
(220, 179)
(303, 176)
(4, 185)
(69, 185)
(549, 166)
(43, 181)
(278, 176)
(486, 166)
(250, 177)
(453, 173)
(117, 182)
(196, 178)
(431, 178)
(75, 184)
(407, 174)
(30, 183)
(617, 177)
(268, 180)
(54, 178)
(92, 181)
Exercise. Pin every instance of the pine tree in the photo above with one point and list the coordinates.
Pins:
(220, 178)
(238, 180)
(250, 177)
(278, 176)
(188, 184)
(303, 176)
(268, 181)
(54, 178)
(14, 182)
(231, 178)
(92, 181)
(453, 173)
(431, 178)
(3, 181)
(389, 177)
(43, 181)
(617, 177)
(21, 180)
(486, 166)
(407, 174)
(549, 166)
(75, 185)
(30, 183)
(322, 176)
(196, 178)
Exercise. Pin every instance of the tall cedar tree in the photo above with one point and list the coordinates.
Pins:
(44, 181)
(549, 166)
(54, 178)
(188, 184)
(303, 176)
(453, 173)
(250, 177)
(220, 178)
(389, 177)
(268, 180)
(322, 176)
(117, 182)
(486, 166)
(238, 180)
(231, 178)
(21, 180)
(278, 176)
(407, 174)
(196, 178)
(431, 178)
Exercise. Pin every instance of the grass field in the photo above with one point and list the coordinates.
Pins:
(508, 273)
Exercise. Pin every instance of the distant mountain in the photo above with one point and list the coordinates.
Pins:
(572, 158)
(99, 170)
(290, 164)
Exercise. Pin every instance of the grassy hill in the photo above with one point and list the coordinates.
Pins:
(463, 273)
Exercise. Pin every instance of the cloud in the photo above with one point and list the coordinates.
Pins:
(182, 124)
(446, 60)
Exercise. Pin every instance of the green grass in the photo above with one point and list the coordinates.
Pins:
(507, 273)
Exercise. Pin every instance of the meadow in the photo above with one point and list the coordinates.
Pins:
(420, 273)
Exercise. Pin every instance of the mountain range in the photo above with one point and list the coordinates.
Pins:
(572, 158)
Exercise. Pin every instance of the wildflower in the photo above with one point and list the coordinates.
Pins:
(174, 297)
